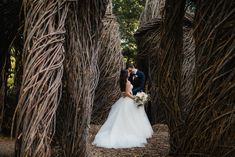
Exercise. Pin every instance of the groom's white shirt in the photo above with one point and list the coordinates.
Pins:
(135, 71)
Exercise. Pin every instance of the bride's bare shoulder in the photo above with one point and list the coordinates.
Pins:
(128, 83)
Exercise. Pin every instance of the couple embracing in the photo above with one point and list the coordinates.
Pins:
(127, 125)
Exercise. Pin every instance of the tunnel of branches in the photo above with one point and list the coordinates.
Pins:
(68, 57)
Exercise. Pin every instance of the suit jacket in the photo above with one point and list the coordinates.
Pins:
(137, 80)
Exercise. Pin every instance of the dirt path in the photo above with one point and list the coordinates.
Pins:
(158, 145)
(6, 147)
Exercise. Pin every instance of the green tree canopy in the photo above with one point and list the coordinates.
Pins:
(128, 13)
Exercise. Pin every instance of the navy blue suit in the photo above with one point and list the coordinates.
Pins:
(137, 80)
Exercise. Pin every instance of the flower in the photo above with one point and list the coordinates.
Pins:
(134, 77)
(141, 98)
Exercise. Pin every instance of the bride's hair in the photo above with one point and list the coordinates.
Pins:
(123, 79)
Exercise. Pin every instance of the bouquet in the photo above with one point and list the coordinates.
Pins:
(141, 98)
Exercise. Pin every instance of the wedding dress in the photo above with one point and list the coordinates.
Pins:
(127, 126)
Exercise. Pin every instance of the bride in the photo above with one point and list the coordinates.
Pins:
(127, 125)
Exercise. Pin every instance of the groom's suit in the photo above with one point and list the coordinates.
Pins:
(137, 80)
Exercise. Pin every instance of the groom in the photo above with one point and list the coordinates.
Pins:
(136, 78)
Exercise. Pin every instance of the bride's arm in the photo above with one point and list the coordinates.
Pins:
(128, 89)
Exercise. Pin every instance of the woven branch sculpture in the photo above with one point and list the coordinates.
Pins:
(210, 124)
(153, 9)
(50, 36)
(110, 62)
(201, 113)
(81, 74)
(148, 38)
(43, 55)
(169, 70)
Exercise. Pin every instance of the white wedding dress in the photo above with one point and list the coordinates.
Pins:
(127, 126)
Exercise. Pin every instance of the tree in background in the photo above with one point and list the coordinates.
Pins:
(9, 12)
(128, 13)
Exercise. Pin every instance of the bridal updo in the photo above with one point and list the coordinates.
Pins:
(123, 79)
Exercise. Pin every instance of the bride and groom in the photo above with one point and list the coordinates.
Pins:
(127, 125)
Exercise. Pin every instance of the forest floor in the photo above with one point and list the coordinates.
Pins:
(158, 145)
(7, 147)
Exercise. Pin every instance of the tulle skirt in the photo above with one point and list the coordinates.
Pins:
(127, 126)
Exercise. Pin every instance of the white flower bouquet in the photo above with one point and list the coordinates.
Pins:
(141, 98)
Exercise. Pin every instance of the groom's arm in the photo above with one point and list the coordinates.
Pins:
(136, 90)
(141, 83)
